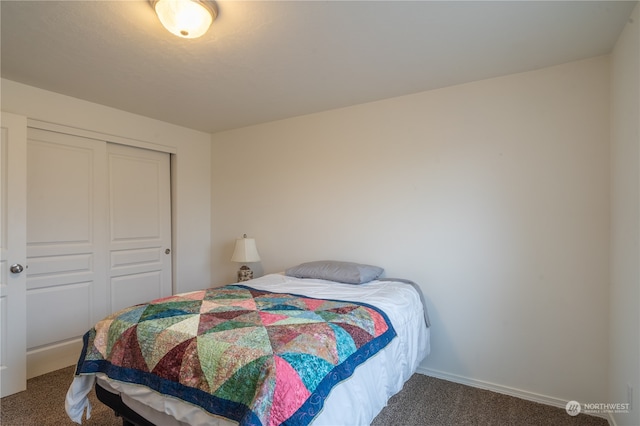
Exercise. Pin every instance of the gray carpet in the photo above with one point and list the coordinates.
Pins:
(423, 401)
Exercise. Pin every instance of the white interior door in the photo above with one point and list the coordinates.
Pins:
(66, 240)
(140, 225)
(13, 216)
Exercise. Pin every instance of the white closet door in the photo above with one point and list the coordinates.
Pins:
(140, 225)
(98, 227)
(66, 240)
(13, 216)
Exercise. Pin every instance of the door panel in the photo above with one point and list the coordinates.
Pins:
(66, 239)
(51, 271)
(140, 225)
(12, 250)
(70, 321)
(131, 289)
(61, 185)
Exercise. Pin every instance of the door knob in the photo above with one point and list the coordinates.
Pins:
(16, 268)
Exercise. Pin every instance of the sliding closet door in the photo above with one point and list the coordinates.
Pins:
(140, 225)
(66, 240)
(98, 238)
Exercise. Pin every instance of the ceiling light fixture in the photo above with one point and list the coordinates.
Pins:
(185, 18)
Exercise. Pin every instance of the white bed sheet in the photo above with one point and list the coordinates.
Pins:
(355, 401)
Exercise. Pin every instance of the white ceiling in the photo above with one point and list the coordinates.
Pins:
(268, 60)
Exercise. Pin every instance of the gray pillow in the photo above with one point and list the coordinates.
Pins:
(343, 272)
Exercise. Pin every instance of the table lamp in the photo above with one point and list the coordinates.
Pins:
(245, 252)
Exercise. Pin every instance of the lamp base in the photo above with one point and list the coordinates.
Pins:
(245, 273)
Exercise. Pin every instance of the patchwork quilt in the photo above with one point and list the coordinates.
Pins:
(252, 356)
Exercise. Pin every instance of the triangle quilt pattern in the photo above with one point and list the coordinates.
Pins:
(255, 357)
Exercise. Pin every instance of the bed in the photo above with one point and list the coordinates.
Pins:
(335, 351)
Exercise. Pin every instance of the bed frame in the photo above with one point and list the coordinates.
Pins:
(120, 409)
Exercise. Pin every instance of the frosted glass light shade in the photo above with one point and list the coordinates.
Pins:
(185, 18)
(245, 251)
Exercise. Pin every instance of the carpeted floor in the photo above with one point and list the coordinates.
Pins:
(423, 401)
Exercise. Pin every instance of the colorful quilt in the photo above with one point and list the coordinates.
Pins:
(255, 357)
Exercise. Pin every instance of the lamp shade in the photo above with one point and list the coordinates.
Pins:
(245, 251)
(185, 18)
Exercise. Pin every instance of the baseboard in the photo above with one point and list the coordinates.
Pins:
(50, 358)
(506, 390)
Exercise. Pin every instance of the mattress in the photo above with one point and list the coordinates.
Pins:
(354, 401)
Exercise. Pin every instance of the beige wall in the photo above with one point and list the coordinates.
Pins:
(493, 195)
(624, 362)
(191, 168)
